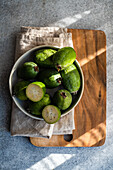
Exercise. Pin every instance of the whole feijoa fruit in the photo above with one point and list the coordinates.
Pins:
(28, 70)
(63, 99)
(50, 77)
(36, 107)
(71, 78)
(20, 90)
(63, 58)
(43, 57)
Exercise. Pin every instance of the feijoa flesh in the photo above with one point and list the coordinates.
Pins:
(51, 114)
(35, 91)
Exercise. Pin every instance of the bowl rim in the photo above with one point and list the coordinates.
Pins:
(14, 68)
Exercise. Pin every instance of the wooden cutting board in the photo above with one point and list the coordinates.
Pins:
(90, 113)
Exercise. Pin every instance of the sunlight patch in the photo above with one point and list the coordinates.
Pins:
(87, 12)
(52, 161)
(70, 20)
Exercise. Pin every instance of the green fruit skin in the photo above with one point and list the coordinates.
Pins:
(41, 85)
(50, 77)
(59, 115)
(36, 108)
(29, 70)
(19, 90)
(71, 78)
(60, 101)
(21, 95)
(44, 57)
(64, 57)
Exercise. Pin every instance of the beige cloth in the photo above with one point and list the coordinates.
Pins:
(21, 124)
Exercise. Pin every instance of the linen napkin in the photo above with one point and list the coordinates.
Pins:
(21, 124)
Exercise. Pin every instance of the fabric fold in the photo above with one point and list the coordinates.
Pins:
(21, 124)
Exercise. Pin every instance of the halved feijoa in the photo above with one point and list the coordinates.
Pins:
(35, 91)
(50, 77)
(63, 99)
(28, 70)
(51, 114)
(19, 90)
(36, 108)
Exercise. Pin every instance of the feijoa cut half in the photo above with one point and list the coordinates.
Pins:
(35, 91)
(51, 114)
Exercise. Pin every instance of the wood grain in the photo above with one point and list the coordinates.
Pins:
(90, 113)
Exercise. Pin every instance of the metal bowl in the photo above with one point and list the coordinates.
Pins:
(13, 79)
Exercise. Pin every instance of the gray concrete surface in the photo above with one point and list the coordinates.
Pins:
(17, 152)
